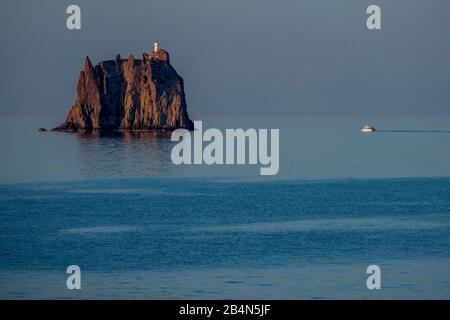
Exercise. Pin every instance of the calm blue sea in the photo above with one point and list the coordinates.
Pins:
(140, 227)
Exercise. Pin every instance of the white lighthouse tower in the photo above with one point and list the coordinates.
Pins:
(155, 47)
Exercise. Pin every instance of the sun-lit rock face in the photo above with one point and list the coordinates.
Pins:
(129, 94)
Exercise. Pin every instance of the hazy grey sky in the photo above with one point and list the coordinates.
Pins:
(238, 56)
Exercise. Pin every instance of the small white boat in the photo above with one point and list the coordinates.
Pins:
(368, 129)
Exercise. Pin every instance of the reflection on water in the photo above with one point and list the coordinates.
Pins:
(310, 148)
(124, 153)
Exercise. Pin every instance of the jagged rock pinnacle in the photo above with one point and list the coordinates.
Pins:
(129, 94)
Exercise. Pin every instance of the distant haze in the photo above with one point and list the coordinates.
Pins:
(238, 56)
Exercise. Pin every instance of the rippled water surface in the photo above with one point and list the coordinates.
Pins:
(212, 238)
(141, 227)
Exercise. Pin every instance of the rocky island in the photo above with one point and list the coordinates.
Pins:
(129, 94)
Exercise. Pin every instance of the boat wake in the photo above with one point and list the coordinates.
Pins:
(415, 131)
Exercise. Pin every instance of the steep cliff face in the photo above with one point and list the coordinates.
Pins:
(129, 94)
